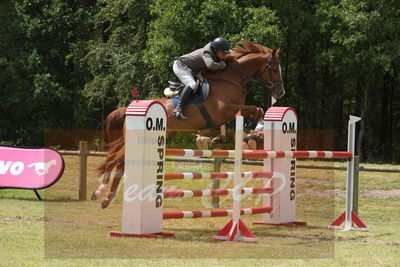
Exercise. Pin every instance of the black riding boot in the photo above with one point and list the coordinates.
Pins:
(183, 99)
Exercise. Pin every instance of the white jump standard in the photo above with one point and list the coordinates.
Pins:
(144, 170)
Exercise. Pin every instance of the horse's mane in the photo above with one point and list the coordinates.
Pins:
(247, 47)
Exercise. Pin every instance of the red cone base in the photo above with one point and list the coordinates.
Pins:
(230, 233)
(289, 224)
(163, 234)
(354, 219)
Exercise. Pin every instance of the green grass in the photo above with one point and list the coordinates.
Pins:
(66, 232)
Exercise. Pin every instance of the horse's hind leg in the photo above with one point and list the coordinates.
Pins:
(102, 188)
(113, 190)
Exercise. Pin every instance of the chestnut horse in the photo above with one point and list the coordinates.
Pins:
(225, 99)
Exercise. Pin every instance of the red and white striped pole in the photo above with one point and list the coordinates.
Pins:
(261, 154)
(214, 213)
(216, 192)
(214, 175)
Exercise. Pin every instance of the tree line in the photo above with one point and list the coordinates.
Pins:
(65, 64)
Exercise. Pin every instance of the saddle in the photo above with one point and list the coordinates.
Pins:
(200, 92)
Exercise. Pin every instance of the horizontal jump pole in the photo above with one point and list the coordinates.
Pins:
(257, 154)
(213, 213)
(200, 153)
(216, 192)
(214, 175)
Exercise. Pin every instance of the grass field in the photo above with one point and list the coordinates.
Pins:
(66, 232)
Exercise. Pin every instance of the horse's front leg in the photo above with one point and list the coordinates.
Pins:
(250, 111)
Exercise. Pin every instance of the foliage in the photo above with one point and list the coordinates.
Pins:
(39, 85)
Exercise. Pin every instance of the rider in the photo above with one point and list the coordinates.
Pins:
(209, 57)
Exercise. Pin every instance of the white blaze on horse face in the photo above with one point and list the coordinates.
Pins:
(273, 100)
(280, 76)
(279, 91)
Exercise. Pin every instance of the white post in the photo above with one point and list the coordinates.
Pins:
(238, 170)
(235, 229)
(351, 137)
(348, 217)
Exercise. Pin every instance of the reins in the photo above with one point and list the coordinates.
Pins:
(270, 84)
(224, 80)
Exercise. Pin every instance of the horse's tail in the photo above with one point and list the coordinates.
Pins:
(113, 133)
(115, 157)
(113, 126)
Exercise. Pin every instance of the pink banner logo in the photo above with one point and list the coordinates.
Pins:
(41, 167)
(29, 168)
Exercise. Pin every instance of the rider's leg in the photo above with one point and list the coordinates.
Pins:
(183, 100)
(185, 75)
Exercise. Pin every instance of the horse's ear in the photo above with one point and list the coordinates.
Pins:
(275, 52)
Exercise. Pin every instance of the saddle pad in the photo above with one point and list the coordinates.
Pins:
(200, 96)
(24, 168)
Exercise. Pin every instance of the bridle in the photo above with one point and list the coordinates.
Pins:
(271, 84)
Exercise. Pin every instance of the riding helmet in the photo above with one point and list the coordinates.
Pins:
(221, 44)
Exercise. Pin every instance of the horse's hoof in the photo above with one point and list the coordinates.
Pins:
(105, 203)
(94, 196)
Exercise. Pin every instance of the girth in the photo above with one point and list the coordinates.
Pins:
(210, 124)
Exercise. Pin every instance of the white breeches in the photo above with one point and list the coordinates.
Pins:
(184, 74)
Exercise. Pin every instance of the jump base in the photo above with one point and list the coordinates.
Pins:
(354, 221)
(231, 232)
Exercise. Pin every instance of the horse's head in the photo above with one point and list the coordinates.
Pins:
(249, 59)
(271, 75)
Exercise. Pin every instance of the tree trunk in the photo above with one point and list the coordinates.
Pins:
(363, 111)
(383, 120)
(388, 153)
